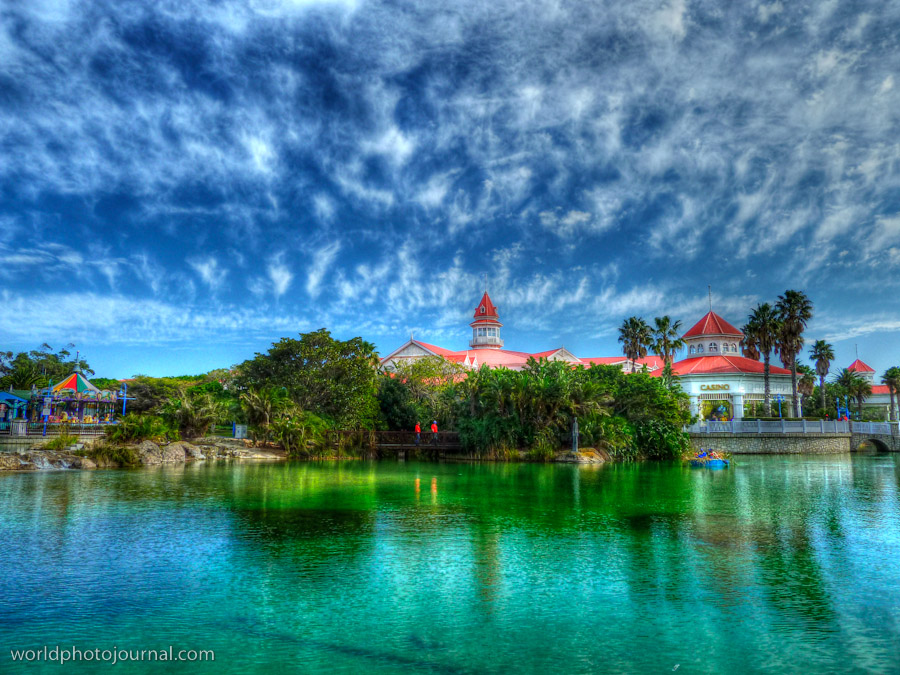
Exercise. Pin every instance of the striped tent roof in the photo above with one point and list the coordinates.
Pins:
(75, 382)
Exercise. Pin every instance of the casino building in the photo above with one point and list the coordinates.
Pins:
(719, 380)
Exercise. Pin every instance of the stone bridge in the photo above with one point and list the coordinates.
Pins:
(885, 436)
(802, 437)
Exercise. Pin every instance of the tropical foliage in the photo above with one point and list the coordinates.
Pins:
(330, 378)
(39, 367)
(761, 336)
(822, 353)
(666, 338)
(499, 411)
(891, 378)
(636, 337)
(794, 310)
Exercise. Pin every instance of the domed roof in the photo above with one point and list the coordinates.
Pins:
(712, 324)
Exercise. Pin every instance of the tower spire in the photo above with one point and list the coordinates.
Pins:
(709, 291)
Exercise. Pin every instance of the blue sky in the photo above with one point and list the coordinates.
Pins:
(183, 182)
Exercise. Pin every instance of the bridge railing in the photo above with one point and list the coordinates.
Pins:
(397, 439)
(876, 428)
(770, 427)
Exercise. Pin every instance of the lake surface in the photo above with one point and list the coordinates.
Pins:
(780, 564)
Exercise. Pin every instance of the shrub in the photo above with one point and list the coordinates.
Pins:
(122, 455)
(135, 428)
(61, 442)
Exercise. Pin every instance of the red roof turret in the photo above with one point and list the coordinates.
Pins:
(712, 324)
(485, 308)
(860, 367)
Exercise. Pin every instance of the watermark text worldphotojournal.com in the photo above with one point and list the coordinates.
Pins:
(112, 656)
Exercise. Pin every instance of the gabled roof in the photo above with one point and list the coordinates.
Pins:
(489, 309)
(860, 367)
(7, 397)
(880, 389)
(724, 364)
(712, 324)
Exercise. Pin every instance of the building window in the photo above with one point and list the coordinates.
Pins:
(713, 347)
(692, 349)
(699, 349)
(482, 309)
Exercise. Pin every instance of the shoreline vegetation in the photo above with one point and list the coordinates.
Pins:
(293, 397)
(318, 397)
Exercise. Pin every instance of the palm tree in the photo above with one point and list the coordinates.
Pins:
(891, 378)
(666, 338)
(763, 329)
(635, 336)
(749, 346)
(794, 312)
(806, 384)
(823, 354)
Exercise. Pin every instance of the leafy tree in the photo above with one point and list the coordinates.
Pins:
(762, 332)
(891, 378)
(807, 382)
(666, 338)
(148, 395)
(395, 401)
(823, 354)
(855, 386)
(106, 383)
(794, 311)
(193, 415)
(331, 378)
(428, 380)
(635, 336)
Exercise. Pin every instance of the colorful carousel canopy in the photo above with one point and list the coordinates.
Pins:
(76, 382)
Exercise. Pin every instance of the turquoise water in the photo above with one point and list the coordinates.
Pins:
(777, 565)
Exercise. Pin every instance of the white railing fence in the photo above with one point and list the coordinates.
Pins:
(771, 427)
(877, 428)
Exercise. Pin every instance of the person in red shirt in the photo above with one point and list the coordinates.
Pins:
(434, 431)
(418, 433)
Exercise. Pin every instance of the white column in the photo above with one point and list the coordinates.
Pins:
(737, 405)
(695, 406)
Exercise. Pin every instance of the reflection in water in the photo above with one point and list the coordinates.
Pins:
(343, 566)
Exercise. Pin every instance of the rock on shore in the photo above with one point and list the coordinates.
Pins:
(148, 454)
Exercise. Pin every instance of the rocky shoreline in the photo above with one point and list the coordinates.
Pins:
(147, 453)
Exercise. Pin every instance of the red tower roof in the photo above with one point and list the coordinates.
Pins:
(485, 308)
(860, 367)
(712, 324)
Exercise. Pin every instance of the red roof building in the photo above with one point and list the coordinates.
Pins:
(717, 378)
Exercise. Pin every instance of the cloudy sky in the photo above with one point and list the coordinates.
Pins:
(183, 182)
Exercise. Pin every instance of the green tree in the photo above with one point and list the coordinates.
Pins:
(855, 386)
(823, 354)
(666, 338)
(891, 378)
(331, 378)
(762, 331)
(806, 383)
(635, 336)
(794, 311)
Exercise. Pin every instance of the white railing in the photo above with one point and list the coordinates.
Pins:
(771, 427)
(876, 428)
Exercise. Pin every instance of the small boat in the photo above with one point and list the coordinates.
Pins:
(709, 460)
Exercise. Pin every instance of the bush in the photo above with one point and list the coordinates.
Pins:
(61, 442)
(122, 455)
(135, 428)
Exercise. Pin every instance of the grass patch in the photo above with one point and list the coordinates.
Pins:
(61, 442)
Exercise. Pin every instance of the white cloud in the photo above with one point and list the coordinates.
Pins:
(322, 260)
(280, 277)
(210, 272)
